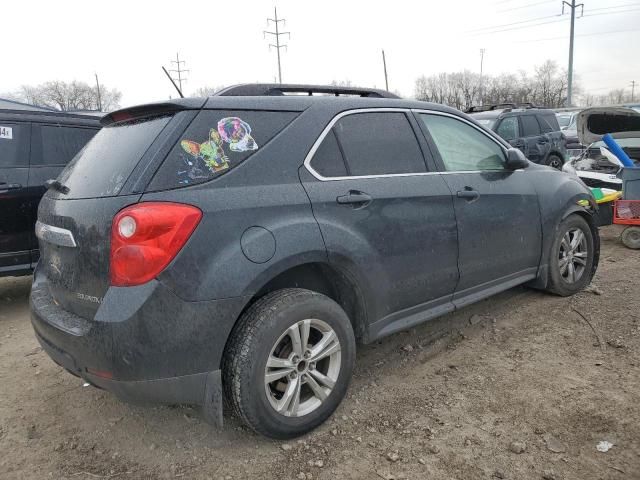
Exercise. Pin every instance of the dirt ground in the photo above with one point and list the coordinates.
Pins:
(519, 386)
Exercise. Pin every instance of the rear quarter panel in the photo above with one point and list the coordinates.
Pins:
(263, 192)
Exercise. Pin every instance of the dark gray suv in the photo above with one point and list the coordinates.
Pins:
(238, 246)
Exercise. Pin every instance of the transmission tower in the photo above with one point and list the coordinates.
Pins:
(633, 90)
(277, 34)
(179, 70)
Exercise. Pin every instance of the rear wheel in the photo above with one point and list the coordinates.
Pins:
(289, 362)
(555, 161)
(631, 237)
(572, 256)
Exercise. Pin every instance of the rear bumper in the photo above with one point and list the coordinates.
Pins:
(144, 344)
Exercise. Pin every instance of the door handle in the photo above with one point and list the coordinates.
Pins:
(469, 194)
(354, 198)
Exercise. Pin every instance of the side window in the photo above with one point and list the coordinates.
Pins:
(57, 144)
(14, 144)
(463, 147)
(381, 143)
(327, 160)
(215, 143)
(530, 126)
(508, 128)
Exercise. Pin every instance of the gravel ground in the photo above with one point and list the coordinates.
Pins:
(521, 386)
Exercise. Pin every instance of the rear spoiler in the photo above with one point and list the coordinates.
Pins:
(152, 110)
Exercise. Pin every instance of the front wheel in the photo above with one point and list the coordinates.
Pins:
(289, 362)
(572, 257)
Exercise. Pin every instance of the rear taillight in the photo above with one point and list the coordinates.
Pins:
(146, 237)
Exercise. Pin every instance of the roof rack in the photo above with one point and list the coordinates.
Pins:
(496, 106)
(278, 89)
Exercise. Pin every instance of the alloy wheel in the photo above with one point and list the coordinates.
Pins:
(302, 368)
(573, 255)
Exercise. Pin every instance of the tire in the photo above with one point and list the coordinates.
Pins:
(631, 237)
(265, 332)
(554, 161)
(561, 282)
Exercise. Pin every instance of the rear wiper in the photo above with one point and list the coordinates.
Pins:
(56, 185)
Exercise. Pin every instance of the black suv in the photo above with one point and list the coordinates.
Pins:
(535, 131)
(238, 245)
(35, 145)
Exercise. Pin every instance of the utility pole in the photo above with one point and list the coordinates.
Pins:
(384, 64)
(100, 98)
(277, 35)
(573, 7)
(179, 70)
(633, 90)
(482, 50)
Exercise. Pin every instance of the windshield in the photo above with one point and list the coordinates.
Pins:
(486, 122)
(101, 168)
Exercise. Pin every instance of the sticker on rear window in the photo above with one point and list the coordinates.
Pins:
(230, 130)
(7, 132)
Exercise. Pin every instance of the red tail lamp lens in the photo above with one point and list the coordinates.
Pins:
(146, 237)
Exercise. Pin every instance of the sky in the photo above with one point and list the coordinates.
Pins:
(222, 42)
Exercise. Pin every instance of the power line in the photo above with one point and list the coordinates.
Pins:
(513, 23)
(611, 13)
(179, 70)
(277, 35)
(611, 32)
(558, 20)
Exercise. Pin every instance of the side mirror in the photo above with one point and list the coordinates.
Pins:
(516, 159)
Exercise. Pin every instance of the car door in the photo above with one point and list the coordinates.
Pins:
(499, 231)
(385, 220)
(16, 219)
(52, 147)
(535, 142)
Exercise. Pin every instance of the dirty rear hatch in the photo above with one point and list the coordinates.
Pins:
(74, 220)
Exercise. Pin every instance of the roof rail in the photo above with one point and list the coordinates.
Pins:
(278, 89)
(496, 106)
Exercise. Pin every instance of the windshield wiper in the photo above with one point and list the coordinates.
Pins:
(56, 185)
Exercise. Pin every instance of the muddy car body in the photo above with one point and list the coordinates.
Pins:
(336, 219)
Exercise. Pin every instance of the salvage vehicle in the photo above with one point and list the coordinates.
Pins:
(237, 246)
(35, 145)
(534, 131)
(598, 166)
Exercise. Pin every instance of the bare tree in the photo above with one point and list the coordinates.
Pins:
(207, 91)
(69, 96)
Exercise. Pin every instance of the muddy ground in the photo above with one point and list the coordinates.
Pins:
(519, 386)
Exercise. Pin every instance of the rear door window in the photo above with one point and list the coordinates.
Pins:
(101, 168)
(328, 160)
(381, 143)
(14, 144)
(58, 144)
(215, 143)
(530, 126)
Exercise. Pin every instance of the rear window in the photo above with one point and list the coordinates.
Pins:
(104, 164)
(215, 143)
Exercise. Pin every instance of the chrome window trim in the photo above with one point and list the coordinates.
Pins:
(334, 120)
(55, 235)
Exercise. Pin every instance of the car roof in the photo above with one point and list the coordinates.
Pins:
(50, 116)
